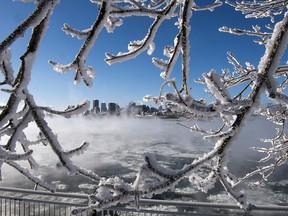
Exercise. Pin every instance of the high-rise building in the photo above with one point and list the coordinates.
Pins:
(95, 103)
(103, 107)
(113, 109)
(95, 107)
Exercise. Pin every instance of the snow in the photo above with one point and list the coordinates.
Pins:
(271, 58)
(192, 105)
(136, 47)
(5, 59)
(86, 73)
(211, 7)
(160, 63)
(74, 32)
(33, 20)
(216, 87)
(147, 41)
(112, 23)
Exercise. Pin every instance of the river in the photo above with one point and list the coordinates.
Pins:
(117, 146)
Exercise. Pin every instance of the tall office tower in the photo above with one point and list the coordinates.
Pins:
(95, 103)
(103, 107)
(112, 108)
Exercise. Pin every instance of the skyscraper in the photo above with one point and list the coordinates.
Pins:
(103, 107)
(95, 103)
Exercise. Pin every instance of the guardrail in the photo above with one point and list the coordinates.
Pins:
(24, 202)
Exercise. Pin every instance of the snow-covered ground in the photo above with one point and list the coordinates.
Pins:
(117, 146)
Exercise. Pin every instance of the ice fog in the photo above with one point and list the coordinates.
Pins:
(117, 146)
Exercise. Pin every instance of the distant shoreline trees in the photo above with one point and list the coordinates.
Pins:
(269, 76)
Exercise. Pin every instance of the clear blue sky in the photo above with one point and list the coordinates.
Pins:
(131, 80)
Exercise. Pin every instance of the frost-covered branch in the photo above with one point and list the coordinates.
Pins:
(7, 155)
(137, 47)
(86, 73)
(6, 67)
(33, 20)
(278, 149)
(70, 111)
(31, 176)
(234, 111)
(196, 128)
(263, 36)
(151, 179)
(246, 73)
(206, 7)
(181, 44)
(260, 8)
(15, 117)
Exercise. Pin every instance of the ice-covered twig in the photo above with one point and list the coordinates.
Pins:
(77, 151)
(88, 174)
(17, 131)
(82, 171)
(13, 122)
(48, 134)
(6, 67)
(139, 46)
(33, 20)
(54, 143)
(263, 36)
(7, 155)
(259, 171)
(134, 8)
(86, 73)
(73, 32)
(260, 9)
(237, 31)
(270, 61)
(267, 66)
(216, 87)
(239, 197)
(277, 152)
(25, 146)
(181, 45)
(151, 179)
(204, 184)
(21, 81)
(211, 7)
(70, 111)
(192, 105)
(31, 176)
(196, 128)
(243, 73)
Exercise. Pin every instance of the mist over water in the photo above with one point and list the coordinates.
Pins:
(117, 146)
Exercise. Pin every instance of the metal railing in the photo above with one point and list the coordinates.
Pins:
(23, 202)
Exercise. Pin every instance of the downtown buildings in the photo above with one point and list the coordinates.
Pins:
(112, 109)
